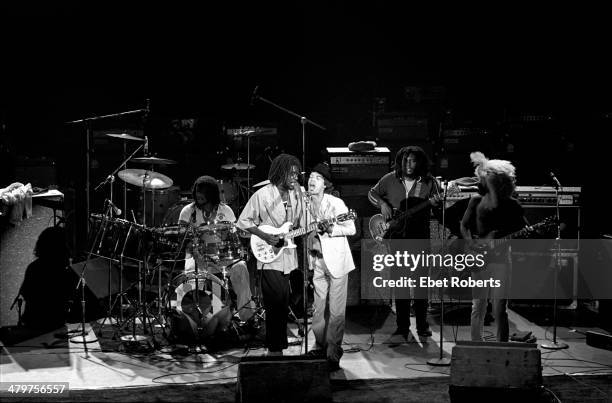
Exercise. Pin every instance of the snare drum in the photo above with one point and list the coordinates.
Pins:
(220, 243)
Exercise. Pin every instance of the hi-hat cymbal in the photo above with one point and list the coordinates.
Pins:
(239, 166)
(154, 180)
(124, 136)
(153, 161)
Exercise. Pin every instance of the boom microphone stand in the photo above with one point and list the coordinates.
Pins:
(303, 121)
(442, 361)
(554, 345)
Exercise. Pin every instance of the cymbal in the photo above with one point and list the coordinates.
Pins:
(262, 183)
(124, 136)
(251, 131)
(154, 180)
(153, 161)
(239, 166)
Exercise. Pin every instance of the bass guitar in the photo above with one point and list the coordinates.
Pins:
(266, 253)
(379, 227)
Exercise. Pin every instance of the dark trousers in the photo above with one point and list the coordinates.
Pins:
(275, 291)
(402, 311)
(296, 299)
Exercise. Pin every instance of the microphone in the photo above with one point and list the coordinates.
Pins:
(116, 210)
(254, 95)
(147, 107)
(555, 180)
(146, 146)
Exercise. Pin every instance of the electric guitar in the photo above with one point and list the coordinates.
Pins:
(266, 253)
(379, 227)
(490, 243)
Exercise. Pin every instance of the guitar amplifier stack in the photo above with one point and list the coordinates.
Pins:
(540, 202)
(354, 174)
(348, 165)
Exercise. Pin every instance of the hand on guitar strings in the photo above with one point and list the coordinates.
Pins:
(386, 210)
(272, 239)
(324, 226)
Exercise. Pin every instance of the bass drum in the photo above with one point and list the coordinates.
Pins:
(194, 320)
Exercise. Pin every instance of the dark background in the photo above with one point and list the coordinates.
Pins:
(538, 79)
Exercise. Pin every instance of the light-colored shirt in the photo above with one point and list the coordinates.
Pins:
(195, 217)
(266, 207)
(224, 213)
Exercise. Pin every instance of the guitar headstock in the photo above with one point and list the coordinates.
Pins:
(351, 215)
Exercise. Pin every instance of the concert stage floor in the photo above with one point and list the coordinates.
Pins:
(369, 355)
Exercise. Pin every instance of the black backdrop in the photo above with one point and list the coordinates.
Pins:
(329, 63)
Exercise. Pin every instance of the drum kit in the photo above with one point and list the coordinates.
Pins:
(190, 307)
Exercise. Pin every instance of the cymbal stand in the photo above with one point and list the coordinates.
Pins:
(111, 176)
(111, 259)
(140, 310)
(100, 233)
(195, 242)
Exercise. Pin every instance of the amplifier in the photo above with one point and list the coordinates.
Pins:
(346, 164)
(545, 195)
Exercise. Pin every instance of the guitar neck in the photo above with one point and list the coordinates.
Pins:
(518, 234)
(309, 228)
(413, 210)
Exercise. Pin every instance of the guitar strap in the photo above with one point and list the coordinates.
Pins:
(417, 187)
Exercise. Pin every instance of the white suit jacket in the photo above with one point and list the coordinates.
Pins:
(335, 247)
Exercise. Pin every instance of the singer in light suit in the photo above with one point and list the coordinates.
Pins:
(331, 259)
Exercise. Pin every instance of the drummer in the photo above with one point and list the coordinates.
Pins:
(205, 210)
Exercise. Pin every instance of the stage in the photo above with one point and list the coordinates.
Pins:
(373, 366)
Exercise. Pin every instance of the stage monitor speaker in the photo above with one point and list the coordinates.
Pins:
(283, 379)
(97, 274)
(506, 371)
(599, 340)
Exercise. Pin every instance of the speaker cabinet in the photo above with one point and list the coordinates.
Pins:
(283, 379)
(497, 371)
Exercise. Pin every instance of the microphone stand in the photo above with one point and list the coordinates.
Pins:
(554, 345)
(303, 122)
(305, 210)
(442, 361)
(87, 122)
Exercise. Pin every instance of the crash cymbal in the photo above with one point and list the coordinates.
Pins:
(239, 166)
(262, 183)
(153, 161)
(124, 136)
(154, 180)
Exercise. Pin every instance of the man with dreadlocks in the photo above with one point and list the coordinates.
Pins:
(493, 213)
(275, 204)
(409, 184)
